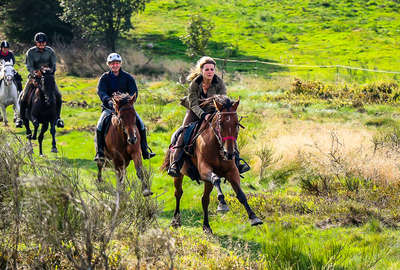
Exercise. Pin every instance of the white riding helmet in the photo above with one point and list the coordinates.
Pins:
(114, 57)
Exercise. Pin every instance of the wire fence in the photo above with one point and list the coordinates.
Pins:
(307, 66)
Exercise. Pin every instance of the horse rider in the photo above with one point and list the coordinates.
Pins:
(8, 56)
(37, 57)
(204, 83)
(116, 80)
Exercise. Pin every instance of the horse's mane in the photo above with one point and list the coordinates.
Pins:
(208, 104)
(49, 81)
(121, 98)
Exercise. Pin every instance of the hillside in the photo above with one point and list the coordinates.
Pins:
(353, 32)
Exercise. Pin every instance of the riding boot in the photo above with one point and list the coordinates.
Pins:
(146, 151)
(176, 158)
(241, 164)
(100, 143)
(59, 122)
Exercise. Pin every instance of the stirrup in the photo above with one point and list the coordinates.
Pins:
(148, 154)
(243, 167)
(173, 170)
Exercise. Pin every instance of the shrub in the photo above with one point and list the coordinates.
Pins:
(198, 32)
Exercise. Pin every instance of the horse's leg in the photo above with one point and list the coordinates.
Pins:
(53, 135)
(216, 181)
(205, 201)
(176, 221)
(99, 170)
(16, 109)
(35, 123)
(137, 159)
(45, 126)
(3, 109)
(234, 178)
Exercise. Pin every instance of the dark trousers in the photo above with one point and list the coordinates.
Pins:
(177, 152)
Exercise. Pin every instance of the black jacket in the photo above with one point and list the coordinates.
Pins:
(125, 84)
(9, 56)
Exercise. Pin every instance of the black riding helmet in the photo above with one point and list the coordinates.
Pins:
(5, 44)
(40, 37)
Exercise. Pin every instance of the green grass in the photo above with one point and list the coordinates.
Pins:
(290, 237)
(355, 33)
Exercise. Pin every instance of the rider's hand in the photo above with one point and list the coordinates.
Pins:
(110, 104)
(207, 116)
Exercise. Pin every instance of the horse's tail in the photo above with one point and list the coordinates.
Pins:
(165, 164)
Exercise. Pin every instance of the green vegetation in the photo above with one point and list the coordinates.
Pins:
(322, 32)
(323, 145)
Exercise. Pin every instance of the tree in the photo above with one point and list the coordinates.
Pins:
(101, 20)
(21, 19)
(198, 32)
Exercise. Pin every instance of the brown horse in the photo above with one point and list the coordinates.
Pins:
(214, 152)
(122, 140)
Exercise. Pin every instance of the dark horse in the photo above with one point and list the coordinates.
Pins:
(214, 152)
(41, 108)
(122, 140)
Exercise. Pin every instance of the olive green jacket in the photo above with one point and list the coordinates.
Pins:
(35, 59)
(195, 89)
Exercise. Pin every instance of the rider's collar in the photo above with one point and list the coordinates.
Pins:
(4, 54)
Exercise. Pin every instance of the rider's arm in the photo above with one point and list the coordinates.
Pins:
(53, 60)
(102, 92)
(194, 100)
(132, 87)
(29, 62)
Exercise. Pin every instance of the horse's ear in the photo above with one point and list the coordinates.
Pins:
(236, 104)
(218, 106)
(114, 104)
(133, 99)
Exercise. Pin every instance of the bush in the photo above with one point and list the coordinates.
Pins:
(198, 32)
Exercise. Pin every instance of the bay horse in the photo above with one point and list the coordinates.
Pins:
(41, 108)
(122, 140)
(8, 90)
(214, 152)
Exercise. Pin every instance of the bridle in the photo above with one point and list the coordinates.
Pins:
(118, 115)
(217, 130)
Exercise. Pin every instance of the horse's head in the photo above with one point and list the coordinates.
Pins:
(8, 72)
(226, 125)
(123, 105)
(47, 84)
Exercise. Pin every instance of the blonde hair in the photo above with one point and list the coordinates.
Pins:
(196, 71)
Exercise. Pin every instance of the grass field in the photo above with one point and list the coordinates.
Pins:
(324, 149)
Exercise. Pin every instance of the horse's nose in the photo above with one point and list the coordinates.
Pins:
(132, 140)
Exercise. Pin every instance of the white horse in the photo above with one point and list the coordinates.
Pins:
(8, 90)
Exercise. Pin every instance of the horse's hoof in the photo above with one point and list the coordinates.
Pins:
(207, 229)
(222, 208)
(176, 222)
(147, 192)
(255, 221)
(54, 150)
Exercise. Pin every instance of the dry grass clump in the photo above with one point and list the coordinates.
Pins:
(377, 92)
(52, 219)
(315, 143)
